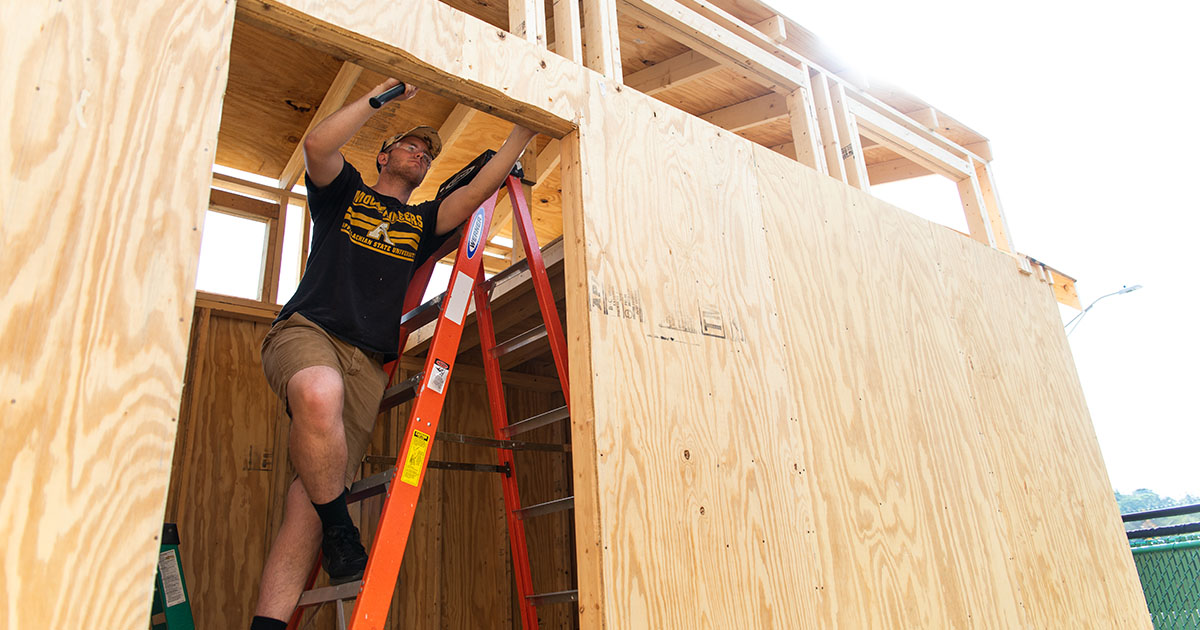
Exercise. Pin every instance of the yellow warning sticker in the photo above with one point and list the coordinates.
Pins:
(417, 447)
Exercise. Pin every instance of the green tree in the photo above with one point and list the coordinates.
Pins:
(1144, 499)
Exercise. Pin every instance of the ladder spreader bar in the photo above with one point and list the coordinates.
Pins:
(424, 313)
(520, 341)
(549, 507)
(560, 597)
(401, 392)
(511, 445)
(538, 421)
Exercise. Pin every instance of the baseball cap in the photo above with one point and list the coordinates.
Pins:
(428, 134)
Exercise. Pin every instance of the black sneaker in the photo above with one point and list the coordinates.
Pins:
(342, 555)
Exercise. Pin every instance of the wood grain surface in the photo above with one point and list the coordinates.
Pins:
(100, 213)
(872, 423)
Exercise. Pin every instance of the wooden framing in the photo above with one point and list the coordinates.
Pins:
(335, 97)
(670, 493)
(601, 39)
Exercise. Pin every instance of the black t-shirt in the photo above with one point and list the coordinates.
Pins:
(365, 248)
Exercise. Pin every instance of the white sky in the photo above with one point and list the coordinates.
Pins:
(1091, 111)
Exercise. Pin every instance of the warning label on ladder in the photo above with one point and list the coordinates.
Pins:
(168, 568)
(417, 447)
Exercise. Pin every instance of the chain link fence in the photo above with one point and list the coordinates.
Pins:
(1170, 575)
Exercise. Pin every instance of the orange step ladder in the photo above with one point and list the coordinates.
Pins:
(402, 484)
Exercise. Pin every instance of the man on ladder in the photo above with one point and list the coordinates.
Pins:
(323, 355)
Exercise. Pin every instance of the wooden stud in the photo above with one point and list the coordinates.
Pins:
(850, 153)
(601, 40)
(527, 19)
(991, 201)
(273, 254)
(335, 97)
(978, 223)
(568, 40)
(804, 128)
(827, 124)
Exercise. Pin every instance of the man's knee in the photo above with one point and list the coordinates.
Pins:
(315, 396)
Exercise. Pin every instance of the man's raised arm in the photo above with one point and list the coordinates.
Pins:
(461, 203)
(322, 146)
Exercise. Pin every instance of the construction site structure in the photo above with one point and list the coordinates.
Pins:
(793, 404)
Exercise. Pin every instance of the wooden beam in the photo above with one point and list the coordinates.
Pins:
(568, 38)
(909, 143)
(707, 37)
(827, 125)
(601, 39)
(850, 153)
(440, 48)
(751, 113)
(456, 123)
(773, 27)
(547, 161)
(527, 19)
(895, 170)
(673, 72)
(253, 189)
(242, 206)
(926, 116)
(335, 97)
(239, 308)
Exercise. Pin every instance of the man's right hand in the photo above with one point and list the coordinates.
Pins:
(322, 146)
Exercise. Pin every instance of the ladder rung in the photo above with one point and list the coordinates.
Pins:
(538, 421)
(371, 486)
(423, 314)
(549, 507)
(561, 597)
(349, 590)
(505, 444)
(401, 392)
(520, 341)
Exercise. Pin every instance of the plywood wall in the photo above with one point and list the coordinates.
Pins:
(807, 408)
(98, 269)
(230, 472)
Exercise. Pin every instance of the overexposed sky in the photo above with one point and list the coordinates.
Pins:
(1090, 108)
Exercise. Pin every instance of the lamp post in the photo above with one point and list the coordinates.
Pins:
(1079, 318)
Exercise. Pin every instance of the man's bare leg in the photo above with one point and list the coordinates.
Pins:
(291, 558)
(317, 438)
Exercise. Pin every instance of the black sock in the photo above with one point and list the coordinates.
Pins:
(267, 623)
(335, 512)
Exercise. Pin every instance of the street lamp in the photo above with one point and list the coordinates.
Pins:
(1079, 318)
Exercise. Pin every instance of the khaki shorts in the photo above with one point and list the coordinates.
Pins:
(297, 343)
